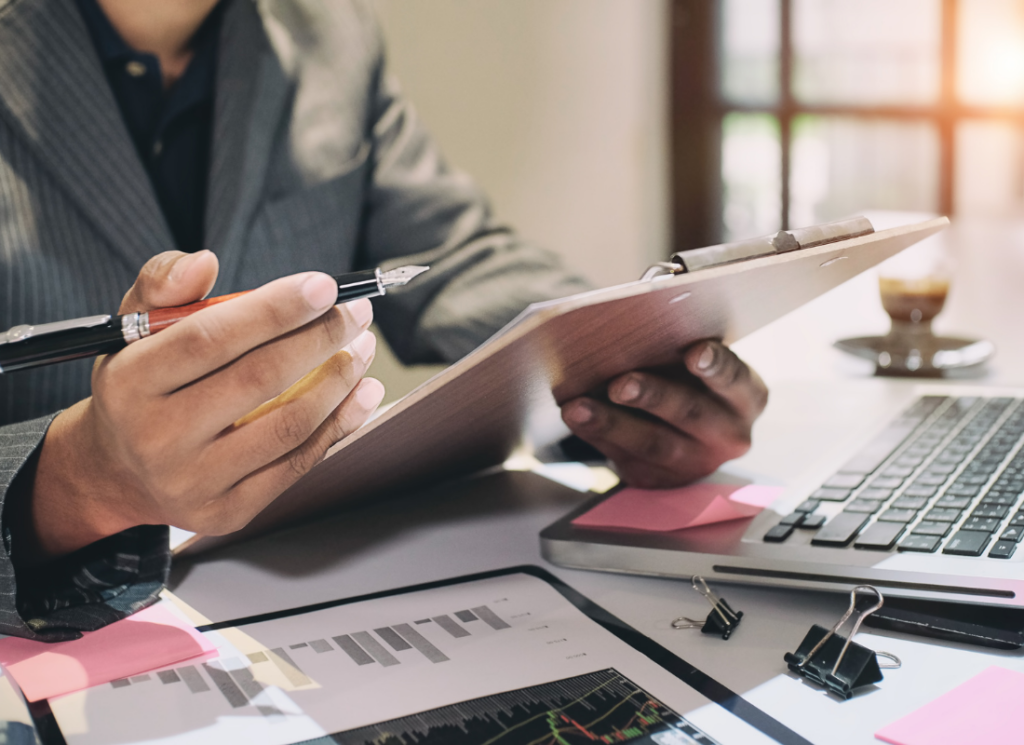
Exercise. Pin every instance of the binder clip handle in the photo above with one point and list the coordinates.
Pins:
(722, 619)
(837, 662)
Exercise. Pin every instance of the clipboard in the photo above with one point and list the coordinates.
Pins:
(505, 394)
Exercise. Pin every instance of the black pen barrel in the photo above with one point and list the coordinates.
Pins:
(358, 285)
(62, 346)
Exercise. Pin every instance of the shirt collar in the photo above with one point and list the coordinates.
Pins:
(111, 47)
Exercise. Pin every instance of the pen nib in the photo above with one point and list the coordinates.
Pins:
(401, 275)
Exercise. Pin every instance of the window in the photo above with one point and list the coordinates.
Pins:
(791, 112)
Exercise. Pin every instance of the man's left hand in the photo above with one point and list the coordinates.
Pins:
(667, 429)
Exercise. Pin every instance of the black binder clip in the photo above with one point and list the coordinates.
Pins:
(721, 620)
(836, 662)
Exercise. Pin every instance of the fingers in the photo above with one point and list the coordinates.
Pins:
(686, 407)
(728, 377)
(270, 369)
(668, 428)
(171, 278)
(648, 453)
(285, 423)
(219, 335)
(257, 490)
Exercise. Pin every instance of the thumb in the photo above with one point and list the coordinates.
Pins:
(171, 278)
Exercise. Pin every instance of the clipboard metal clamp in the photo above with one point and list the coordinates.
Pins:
(836, 662)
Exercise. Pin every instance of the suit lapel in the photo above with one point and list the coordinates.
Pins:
(252, 91)
(53, 90)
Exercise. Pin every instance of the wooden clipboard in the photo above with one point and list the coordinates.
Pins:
(474, 414)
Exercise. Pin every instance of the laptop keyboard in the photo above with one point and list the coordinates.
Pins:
(945, 475)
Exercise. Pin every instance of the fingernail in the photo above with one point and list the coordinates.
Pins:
(182, 265)
(580, 413)
(706, 358)
(363, 346)
(320, 291)
(362, 312)
(628, 389)
(369, 394)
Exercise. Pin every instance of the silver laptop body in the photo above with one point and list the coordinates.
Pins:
(925, 508)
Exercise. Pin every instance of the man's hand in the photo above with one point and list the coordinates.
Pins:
(204, 424)
(663, 430)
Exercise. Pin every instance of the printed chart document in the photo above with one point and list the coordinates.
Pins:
(503, 660)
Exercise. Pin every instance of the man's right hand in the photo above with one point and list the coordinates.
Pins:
(204, 424)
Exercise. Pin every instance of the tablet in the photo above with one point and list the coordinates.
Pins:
(512, 657)
(505, 394)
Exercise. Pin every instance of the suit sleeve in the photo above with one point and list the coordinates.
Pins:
(421, 211)
(100, 584)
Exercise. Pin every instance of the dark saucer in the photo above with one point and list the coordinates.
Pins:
(924, 356)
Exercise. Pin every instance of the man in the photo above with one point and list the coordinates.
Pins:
(269, 137)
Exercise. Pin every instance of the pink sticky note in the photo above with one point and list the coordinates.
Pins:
(984, 709)
(151, 638)
(664, 510)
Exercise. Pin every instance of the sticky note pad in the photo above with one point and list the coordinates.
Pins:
(152, 638)
(664, 510)
(984, 709)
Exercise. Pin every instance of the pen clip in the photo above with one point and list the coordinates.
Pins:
(25, 332)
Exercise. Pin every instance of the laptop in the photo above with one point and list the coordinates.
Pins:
(931, 506)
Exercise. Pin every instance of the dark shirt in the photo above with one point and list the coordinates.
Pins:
(171, 129)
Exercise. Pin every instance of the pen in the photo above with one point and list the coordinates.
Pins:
(24, 347)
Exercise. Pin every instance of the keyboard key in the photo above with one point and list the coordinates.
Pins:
(1008, 499)
(844, 481)
(910, 503)
(880, 536)
(920, 490)
(943, 515)
(887, 482)
(1017, 519)
(900, 472)
(875, 452)
(1012, 534)
(956, 503)
(831, 495)
(931, 479)
(967, 543)
(794, 519)
(923, 543)
(911, 461)
(812, 521)
(873, 492)
(808, 505)
(928, 528)
(991, 510)
(778, 534)
(1003, 549)
(984, 524)
(973, 478)
(898, 516)
(963, 490)
(940, 469)
(840, 530)
(864, 506)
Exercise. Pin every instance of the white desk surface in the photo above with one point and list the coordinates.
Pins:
(817, 395)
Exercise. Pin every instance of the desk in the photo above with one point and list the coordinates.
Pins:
(818, 396)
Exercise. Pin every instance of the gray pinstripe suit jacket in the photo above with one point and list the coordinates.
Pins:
(317, 163)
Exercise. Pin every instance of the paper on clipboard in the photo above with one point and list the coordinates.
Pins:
(473, 414)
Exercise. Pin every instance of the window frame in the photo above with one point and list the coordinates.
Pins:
(698, 111)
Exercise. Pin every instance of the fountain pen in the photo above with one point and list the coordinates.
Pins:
(24, 347)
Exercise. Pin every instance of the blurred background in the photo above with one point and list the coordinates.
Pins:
(616, 131)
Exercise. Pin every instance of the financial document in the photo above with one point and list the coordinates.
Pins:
(504, 661)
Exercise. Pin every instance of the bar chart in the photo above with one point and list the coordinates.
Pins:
(601, 707)
(234, 677)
